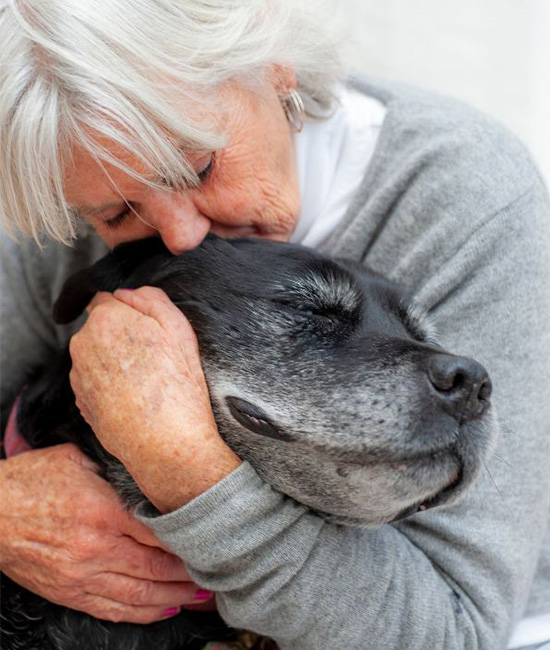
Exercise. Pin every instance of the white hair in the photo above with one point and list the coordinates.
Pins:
(73, 70)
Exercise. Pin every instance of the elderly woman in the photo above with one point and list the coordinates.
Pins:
(130, 118)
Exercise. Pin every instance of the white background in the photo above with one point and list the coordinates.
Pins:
(495, 54)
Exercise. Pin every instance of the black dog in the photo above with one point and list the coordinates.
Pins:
(322, 374)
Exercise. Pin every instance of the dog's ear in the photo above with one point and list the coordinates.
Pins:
(109, 273)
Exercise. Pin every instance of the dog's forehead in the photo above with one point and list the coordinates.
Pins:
(261, 269)
(321, 282)
(251, 278)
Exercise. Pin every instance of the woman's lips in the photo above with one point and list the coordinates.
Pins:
(232, 232)
(254, 232)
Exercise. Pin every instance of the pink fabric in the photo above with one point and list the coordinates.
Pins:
(14, 443)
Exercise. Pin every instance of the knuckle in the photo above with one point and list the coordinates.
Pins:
(128, 614)
(140, 593)
(74, 344)
(147, 618)
(160, 565)
(74, 380)
(100, 317)
(115, 614)
(150, 292)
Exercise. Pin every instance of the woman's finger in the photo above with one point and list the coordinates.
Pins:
(111, 610)
(153, 302)
(100, 298)
(146, 593)
(147, 562)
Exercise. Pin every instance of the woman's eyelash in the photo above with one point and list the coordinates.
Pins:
(118, 220)
(205, 173)
(202, 175)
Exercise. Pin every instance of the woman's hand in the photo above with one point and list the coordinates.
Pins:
(139, 383)
(66, 536)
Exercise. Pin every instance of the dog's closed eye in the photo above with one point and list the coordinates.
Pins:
(254, 419)
(312, 312)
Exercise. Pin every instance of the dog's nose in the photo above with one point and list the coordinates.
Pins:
(461, 386)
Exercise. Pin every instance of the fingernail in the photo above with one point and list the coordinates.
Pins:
(172, 611)
(202, 594)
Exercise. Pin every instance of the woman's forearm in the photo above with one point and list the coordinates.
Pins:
(172, 475)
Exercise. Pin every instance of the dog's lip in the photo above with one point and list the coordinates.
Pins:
(409, 465)
(449, 487)
(450, 483)
(398, 461)
(404, 461)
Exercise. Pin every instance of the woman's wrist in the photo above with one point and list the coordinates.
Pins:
(174, 475)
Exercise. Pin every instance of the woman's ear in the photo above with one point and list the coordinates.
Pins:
(283, 79)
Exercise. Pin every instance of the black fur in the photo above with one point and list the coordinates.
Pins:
(269, 315)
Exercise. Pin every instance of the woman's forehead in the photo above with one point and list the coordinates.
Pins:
(89, 183)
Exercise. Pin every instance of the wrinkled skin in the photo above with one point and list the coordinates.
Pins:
(156, 351)
(102, 544)
(250, 189)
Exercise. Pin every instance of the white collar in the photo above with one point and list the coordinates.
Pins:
(331, 159)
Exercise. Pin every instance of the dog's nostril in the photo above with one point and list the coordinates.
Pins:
(447, 381)
(485, 390)
(462, 386)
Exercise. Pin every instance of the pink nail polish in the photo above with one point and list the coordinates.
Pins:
(202, 594)
(172, 611)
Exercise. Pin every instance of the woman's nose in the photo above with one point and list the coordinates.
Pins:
(178, 222)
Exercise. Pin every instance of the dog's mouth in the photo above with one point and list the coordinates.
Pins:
(444, 494)
(440, 497)
(440, 474)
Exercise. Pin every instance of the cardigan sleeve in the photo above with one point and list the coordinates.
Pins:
(27, 334)
(31, 278)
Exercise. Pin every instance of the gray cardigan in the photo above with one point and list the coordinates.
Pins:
(452, 207)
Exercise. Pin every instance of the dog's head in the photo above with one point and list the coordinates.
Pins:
(323, 375)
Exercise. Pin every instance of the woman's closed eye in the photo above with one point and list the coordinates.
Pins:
(203, 174)
(116, 221)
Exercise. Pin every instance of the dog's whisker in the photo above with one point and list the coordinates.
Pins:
(493, 481)
(501, 460)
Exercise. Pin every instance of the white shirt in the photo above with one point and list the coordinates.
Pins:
(331, 159)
